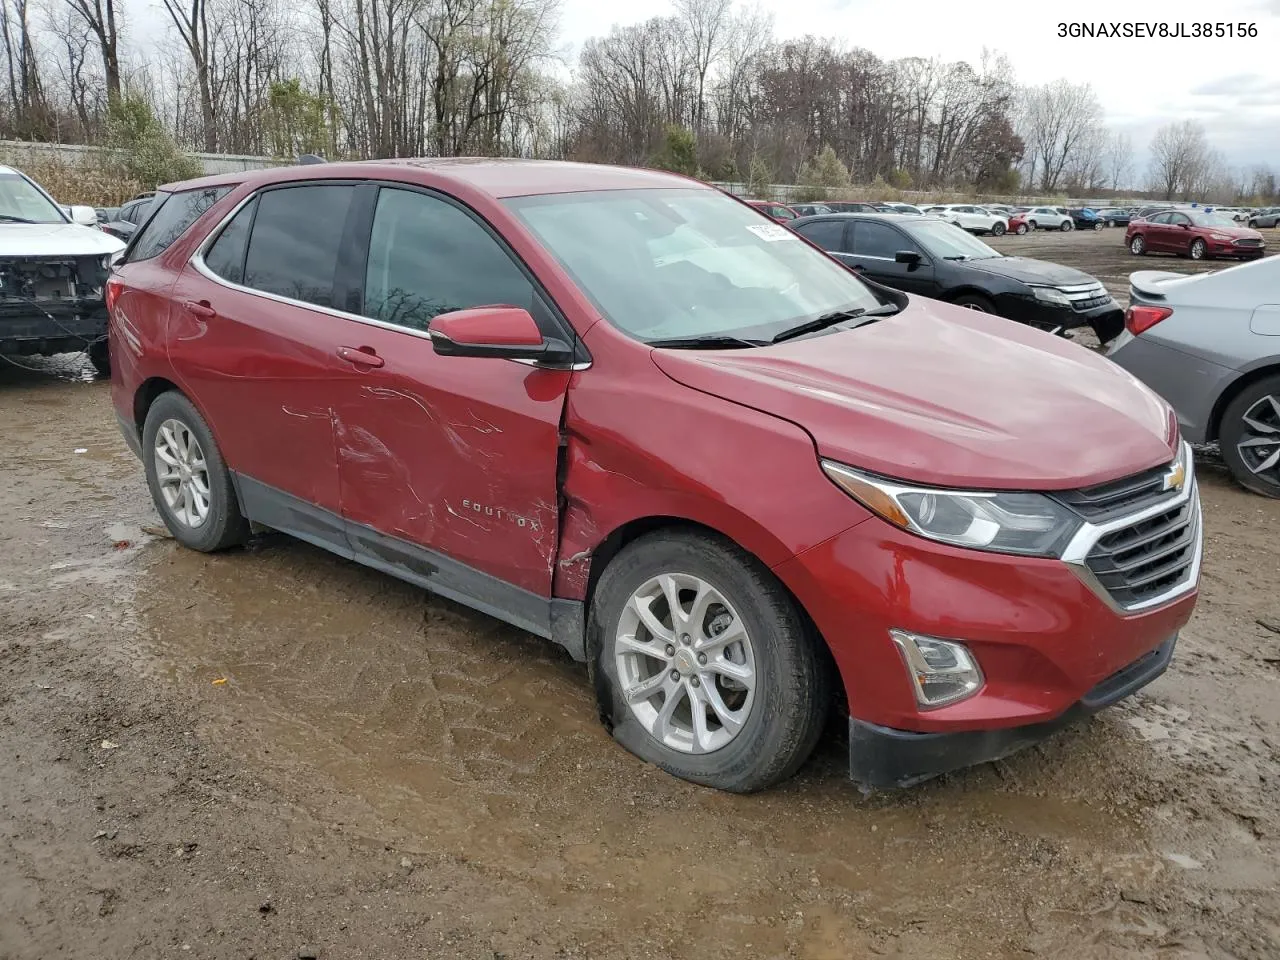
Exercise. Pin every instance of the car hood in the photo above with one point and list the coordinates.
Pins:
(54, 240)
(950, 397)
(1235, 233)
(1025, 270)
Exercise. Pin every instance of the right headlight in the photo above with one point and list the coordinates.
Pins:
(1051, 295)
(1000, 521)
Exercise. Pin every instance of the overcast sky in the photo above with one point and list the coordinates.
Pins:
(1232, 85)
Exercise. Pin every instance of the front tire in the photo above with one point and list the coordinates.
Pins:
(998, 230)
(975, 301)
(100, 357)
(703, 665)
(1249, 437)
(1138, 245)
(1067, 226)
(189, 482)
(1253, 224)
(1097, 225)
(1198, 249)
(1111, 223)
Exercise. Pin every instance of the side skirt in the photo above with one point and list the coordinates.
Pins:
(561, 621)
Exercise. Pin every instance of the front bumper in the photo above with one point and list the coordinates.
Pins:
(1106, 319)
(882, 757)
(53, 327)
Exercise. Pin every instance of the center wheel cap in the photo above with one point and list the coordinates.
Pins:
(686, 663)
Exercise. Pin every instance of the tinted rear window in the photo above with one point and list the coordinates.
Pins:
(226, 256)
(828, 234)
(177, 212)
(297, 232)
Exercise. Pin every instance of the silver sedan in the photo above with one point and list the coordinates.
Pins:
(1209, 343)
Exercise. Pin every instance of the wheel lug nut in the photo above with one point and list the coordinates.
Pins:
(702, 658)
(684, 638)
(671, 651)
(675, 674)
(696, 682)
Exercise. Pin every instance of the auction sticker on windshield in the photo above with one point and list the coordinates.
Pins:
(769, 232)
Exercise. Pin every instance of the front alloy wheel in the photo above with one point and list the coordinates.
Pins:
(686, 662)
(1068, 226)
(703, 664)
(1138, 246)
(1198, 249)
(998, 229)
(1251, 438)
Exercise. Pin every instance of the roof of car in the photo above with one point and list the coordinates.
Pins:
(498, 177)
(855, 215)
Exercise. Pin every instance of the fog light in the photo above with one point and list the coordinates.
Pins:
(941, 671)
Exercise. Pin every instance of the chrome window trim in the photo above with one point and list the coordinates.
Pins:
(197, 261)
(1086, 538)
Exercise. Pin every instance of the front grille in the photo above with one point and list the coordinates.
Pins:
(1085, 296)
(1149, 557)
(1118, 497)
(1248, 242)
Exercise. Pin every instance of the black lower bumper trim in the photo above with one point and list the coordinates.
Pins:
(882, 757)
(130, 433)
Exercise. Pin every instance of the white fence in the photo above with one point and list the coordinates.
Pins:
(210, 163)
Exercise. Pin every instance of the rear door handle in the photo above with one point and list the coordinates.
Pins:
(201, 309)
(362, 358)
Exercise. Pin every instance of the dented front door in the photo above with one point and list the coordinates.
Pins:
(455, 455)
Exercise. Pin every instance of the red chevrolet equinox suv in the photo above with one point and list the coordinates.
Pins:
(628, 413)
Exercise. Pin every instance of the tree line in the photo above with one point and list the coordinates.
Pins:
(707, 90)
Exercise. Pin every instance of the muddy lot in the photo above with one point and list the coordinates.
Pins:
(274, 753)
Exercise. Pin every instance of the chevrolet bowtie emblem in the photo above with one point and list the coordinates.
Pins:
(1176, 477)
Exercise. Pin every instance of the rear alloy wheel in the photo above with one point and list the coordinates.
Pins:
(189, 483)
(703, 665)
(1250, 437)
(1097, 225)
(1031, 224)
(998, 229)
(1111, 223)
(1067, 226)
(1138, 245)
(1021, 229)
(1198, 249)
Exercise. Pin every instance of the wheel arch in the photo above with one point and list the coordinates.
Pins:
(146, 394)
(630, 531)
(1213, 428)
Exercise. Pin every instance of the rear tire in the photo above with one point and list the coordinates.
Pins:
(1256, 401)
(1138, 245)
(1097, 225)
(1031, 224)
(1253, 224)
(203, 478)
(779, 716)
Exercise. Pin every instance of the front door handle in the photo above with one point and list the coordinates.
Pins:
(201, 309)
(360, 356)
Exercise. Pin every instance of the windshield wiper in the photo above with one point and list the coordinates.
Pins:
(716, 342)
(8, 218)
(961, 256)
(837, 316)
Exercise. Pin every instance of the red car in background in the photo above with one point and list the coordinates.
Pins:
(1018, 223)
(732, 476)
(779, 212)
(1194, 234)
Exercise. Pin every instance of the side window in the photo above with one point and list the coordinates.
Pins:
(293, 251)
(176, 213)
(226, 256)
(1159, 218)
(427, 257)
(871, 239)
(1179, 218)
(828, 234)
(782, 213)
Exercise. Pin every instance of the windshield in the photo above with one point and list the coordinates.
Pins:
(22, 201)
(1211, 219)
(946, 242)
(681, 263)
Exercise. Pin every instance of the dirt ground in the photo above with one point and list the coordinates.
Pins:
(274, 753)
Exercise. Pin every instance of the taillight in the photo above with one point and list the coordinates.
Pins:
(114, 286)
(1142, 318)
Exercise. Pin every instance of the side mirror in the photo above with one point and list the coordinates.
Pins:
(1185, 226)
(507, 333)
(910, 257)
(85, 216)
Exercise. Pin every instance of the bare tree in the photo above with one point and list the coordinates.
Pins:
(1059, 119)
(1179, 158)
(192, 23)
(101, 17)
(1118, 160)
(707, 32)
